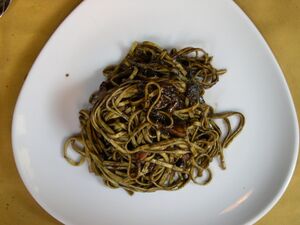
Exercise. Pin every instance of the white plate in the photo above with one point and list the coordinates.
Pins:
(260, 161)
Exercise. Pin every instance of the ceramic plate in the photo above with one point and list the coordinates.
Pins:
(260, 161)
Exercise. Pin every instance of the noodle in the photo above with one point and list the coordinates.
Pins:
(149, 127)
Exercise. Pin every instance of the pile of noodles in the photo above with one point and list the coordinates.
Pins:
(148, 127)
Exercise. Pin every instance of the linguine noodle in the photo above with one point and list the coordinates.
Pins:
(149, 127)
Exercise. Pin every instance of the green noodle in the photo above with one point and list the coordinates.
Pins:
(149, 127)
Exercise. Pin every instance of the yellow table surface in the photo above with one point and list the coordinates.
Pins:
(26, 27)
